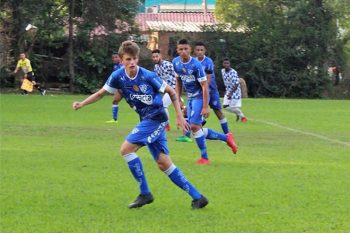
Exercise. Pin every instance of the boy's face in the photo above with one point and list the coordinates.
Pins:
(115, 58)
(199, 51)
(183, 50)
(130, 62)
(226, 64)
(22, 56)
(156, 57)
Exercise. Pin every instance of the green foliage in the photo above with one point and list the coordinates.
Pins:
(286, 47)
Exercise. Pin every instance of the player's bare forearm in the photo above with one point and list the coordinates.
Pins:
(178, 87)
(89, 100)
(180, 120)
(205, 89)
(174, 99)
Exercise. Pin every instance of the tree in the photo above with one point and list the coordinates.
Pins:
(286, 45)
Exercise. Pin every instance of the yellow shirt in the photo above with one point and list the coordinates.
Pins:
(24, 65)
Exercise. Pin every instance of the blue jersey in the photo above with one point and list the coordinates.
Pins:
(191, 74)
(117, 66)
(142, 92)
(208, 66)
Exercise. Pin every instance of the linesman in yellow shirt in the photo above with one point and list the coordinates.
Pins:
(24, 64)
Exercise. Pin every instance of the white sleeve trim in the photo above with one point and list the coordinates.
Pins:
(109, 89)
(202, 79)
(162, 87)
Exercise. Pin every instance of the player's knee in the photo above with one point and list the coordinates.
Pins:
(195, 128)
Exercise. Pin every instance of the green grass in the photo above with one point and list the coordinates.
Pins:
(61, 170)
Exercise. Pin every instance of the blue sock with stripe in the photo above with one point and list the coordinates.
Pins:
(224, 125)
(178, 178)
(115, 109)
(212, 135)
(136, 169)
(200, 140)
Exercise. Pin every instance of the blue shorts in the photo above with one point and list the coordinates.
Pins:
(214, 101)
(194, 109)
(152, 134)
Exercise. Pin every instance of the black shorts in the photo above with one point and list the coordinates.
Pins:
(30, 76)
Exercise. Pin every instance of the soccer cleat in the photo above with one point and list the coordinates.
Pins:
(112, 121)
(141, 200)
(183, 139)
(237, 118)
(231, 142)
(199, 203)
(203, 161)
(244, 119)
(167, 128)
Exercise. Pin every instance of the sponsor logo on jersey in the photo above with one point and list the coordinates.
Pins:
(146, 99)
(188, 78)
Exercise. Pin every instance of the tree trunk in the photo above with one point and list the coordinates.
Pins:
(70, 46)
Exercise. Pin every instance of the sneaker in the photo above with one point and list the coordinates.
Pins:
(203, 161)
(141, 200)
(231, 142)
(167, 128)
(199, 203)
(244, 119)
(183, 139)
(43, 92)
(112, 121)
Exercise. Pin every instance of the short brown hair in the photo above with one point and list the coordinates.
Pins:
(129, 47)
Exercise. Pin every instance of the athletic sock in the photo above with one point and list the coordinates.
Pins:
(178, 178)
(224, 125)
(212, 135)
(200, 140)
(115, 109)
(136, 169)
(187, 134)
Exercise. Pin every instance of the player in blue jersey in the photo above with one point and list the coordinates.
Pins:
(190, 75)
(232, 99)
(165, 71)
(115, 107)
(214, 97)
(142, 91)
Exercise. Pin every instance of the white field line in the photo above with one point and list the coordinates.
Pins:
(303, 132)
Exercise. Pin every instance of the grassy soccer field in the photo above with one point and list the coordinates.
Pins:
(61, 170)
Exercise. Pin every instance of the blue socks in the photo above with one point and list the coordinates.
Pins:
(115, 109)
(224, 125)
(200, 140)
(178, 178)
(212, 135)
(136, 169)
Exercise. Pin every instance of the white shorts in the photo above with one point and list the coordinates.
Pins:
(233, 103)
(166, 100)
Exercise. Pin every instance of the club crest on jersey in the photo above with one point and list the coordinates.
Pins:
(146, 99)
(135, 87)
(143, 88)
